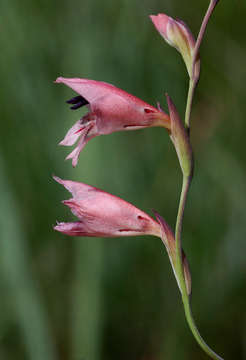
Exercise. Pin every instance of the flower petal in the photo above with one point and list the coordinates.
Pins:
(73, 134)
(74, 155)
(72, 229)
(94, 91)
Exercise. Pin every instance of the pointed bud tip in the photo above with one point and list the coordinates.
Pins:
(157, 215)
(160, 16)
(167, 231)
(171, 106)
(160, 22)
(164, 225)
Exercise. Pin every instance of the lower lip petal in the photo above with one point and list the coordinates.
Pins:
(72, 229)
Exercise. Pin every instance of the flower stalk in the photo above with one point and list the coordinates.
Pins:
(180, 272)
(187, 179)
(194, 75)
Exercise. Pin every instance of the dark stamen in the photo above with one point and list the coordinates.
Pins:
(74, 100)
(76, 106)
(78, 101)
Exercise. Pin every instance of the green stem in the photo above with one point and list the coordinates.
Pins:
(192, 86)
(180, 272)
(194, 330)
(195, 77)
(207, 16)
(183, 197)
(178, 263)
(178, 231)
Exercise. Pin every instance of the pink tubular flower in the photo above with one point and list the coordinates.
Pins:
(103, 215)
(110, 109)
(177, 34)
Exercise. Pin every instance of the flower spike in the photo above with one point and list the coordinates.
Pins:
(110, 109)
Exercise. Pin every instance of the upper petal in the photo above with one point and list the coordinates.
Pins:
(115, 108)
(77, 189)
(93, 90)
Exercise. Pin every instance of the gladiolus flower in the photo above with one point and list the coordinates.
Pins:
(177, 34)
(103, 215)
(110, 109)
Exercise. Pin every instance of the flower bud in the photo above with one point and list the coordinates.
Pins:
(177, 34)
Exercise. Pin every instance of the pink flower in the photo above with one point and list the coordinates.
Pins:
(177, 34)
(110, 109)
(103, 215)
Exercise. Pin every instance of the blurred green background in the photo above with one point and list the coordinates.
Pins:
(106, 299)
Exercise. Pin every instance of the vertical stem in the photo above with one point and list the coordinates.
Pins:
(192, 86)
(183, 197)
(194, 330)
(180, 273)
(207, 16)
(195, 77)
(178, 232)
